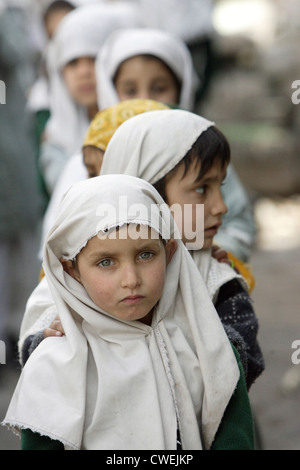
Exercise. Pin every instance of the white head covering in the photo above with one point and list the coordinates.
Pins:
(114, 384)
(80, 33)
(149, 146)
(124, 44)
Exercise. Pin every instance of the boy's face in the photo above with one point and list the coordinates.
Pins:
(146, 78)
(124, 276)
(80, 79)
(183, 190)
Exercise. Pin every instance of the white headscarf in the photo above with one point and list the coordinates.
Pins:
(114, 384)
(149, 146)
(124, 44)
(80, 33)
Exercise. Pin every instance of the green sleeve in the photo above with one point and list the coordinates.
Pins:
(34, 441)
(236, 431)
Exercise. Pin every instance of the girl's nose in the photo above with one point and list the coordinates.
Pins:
(130, 277)
(144, 94)
(86, 66)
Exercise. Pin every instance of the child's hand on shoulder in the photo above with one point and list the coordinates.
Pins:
(220, 255)
(55, 329)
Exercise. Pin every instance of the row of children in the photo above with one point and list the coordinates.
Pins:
(129, 63)
(139, 342)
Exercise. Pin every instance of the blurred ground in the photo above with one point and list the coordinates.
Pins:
(275, 396)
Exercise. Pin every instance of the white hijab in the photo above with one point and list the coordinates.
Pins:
(113, 384)
(124, 44)
(80, 33)
(149, 146)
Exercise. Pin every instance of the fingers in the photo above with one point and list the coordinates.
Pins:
(220, 254)
(51, 332)
(55, 329)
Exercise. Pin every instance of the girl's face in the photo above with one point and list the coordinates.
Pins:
(80, 79)
(185, 189)
(124, 276)
(146, 77)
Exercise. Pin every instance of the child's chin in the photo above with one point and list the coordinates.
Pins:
(208, 243)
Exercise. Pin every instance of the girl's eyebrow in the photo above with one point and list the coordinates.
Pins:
(146, 244)
(101, 254)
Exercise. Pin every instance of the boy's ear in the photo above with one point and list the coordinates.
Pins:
(70, 269)
(170, 247)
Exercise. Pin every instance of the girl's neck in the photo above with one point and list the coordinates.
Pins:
(147, 320)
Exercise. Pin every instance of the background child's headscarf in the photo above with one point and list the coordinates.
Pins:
(149, 146)
(107, 121)
(124, 44)
(81, 33)
(115, 384)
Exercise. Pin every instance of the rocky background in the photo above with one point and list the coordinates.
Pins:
(250, 93)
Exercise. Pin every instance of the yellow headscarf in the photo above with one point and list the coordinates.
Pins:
(107, 121)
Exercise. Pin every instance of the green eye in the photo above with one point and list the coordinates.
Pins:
(146, 255)
(105, 263)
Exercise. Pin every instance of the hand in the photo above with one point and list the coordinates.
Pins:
(55, 329)
(220, 255)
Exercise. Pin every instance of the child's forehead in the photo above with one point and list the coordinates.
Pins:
(129, 64)
(134, 235)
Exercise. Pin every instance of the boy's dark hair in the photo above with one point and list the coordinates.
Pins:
(58, 5)
(210, 146)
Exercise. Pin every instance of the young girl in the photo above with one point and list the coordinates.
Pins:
(145, 63)
(38, 98)
(145, 361)
(72, 78)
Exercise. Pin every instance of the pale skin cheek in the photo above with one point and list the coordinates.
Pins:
(102, 299)
(99, 295)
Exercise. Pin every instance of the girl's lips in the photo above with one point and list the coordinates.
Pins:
(86, 88)
(132, 299)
